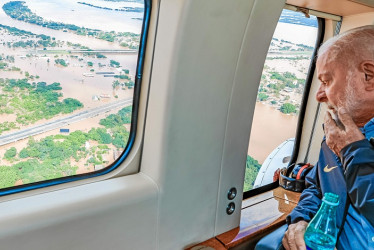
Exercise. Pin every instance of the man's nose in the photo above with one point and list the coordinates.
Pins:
(321, 94)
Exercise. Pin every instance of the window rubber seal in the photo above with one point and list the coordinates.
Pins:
(133, 126)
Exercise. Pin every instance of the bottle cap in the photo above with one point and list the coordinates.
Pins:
(331, 199)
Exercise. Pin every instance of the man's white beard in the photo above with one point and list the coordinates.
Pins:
(349, 100)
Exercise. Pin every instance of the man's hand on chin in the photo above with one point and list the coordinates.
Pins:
(294, 237)
(337, 137)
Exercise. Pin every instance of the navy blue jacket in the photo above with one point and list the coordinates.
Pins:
(351, 177)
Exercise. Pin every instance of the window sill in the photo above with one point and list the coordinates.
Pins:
(260, 215)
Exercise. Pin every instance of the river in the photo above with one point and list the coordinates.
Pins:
(70, 12)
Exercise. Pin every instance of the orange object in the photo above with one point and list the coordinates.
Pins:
(301, 170)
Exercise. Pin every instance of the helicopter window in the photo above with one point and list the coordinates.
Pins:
(68, 88)
(279, 98)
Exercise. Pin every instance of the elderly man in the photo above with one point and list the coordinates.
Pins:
(345, 68)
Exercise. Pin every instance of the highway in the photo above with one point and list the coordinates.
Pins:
(61, 122)
(105, 51)
(101, 51)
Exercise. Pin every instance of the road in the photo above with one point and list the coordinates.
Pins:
(50, 125)
(79, 51)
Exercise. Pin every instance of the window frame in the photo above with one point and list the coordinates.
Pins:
(300, 122)
(133, 126)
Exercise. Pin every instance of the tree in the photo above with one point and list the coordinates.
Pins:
(98, 55)
(8, 176)
(10, 153)
(23, 153)
(130, 84)
(105, 138)
(61, 62)
(120, 140)
(288, 108)
(115, 84)
(262, 97)
(251, 171)
(114, 63)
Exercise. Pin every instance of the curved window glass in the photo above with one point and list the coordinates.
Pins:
(279, 98)
(70, 75)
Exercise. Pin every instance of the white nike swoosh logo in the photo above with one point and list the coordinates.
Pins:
(327, 169)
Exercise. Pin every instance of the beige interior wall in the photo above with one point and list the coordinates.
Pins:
(208, 62)
(350, 22)
(337, 7)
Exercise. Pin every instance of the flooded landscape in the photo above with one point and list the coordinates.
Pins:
(65, 60)
(288, 60)
(281, 89)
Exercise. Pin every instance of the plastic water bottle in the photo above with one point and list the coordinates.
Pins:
(321, 232)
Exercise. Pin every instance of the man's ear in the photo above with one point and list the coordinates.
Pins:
(367, 67)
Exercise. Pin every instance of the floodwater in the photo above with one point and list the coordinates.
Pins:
(70, 12)
(269, 129)
(297, 34)
(78, 80)
(73, 82)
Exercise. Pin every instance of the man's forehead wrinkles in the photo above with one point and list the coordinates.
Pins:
(326, 68)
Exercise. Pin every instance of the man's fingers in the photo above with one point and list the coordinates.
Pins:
(299, 235)
(299, 239)
(285, 242)
(329, 122)
(294, 237)
(291, 239)
(286, 239)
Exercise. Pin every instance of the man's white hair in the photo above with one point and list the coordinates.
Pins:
(351, 47)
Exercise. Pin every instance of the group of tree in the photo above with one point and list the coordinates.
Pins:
(129, 83)
(36, 101)
(262, 97)
(61, 62)
(251, 171)
(114, 63)
(117, 120)
(37, 41)
(288, 108)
